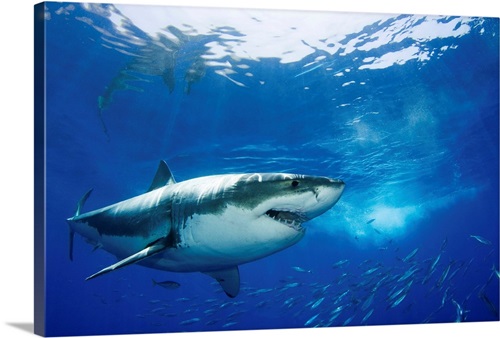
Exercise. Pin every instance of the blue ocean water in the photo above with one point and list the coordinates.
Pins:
(403, 108)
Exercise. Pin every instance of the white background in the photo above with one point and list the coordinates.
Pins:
(16, 166)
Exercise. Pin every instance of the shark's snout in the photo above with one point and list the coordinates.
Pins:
(327, 195)
(304, 198)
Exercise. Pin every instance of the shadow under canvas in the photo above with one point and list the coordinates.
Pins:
(27, 327)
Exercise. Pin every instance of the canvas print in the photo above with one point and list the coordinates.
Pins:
(214, 169)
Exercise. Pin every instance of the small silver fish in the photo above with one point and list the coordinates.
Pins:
(367, 316)
(481, 240)
(229, 324)
(190, 321)
(445, 296)
(370, 271)
(410, 255)
(310, 320)
(409, 273)
(432, 269)
(398, 301)
(299, 269)
(337, 309)
(317, 303)
(439, 283)
(368, 302)
(488, 303)
(341, 296)
(348, 320)
(461, 313)
(495, 271)
(340, 263)
(444, 244)
(166, 284)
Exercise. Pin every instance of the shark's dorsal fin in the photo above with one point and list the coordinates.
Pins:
(163, 177)
(139, 256)
(229, 279)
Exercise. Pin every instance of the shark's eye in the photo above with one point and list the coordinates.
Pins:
(295, 184)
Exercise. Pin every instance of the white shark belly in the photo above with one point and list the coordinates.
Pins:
(214, 242)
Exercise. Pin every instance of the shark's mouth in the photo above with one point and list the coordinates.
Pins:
(290, 218)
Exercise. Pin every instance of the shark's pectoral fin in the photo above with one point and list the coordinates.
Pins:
(143, 254)
(229, 279)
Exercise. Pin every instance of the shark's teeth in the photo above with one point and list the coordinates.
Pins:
(290, 218)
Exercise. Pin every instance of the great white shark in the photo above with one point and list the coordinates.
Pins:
(209, 224)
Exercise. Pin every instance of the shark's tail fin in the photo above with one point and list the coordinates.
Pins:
(79, 207)
(71, 240)
(81, 202)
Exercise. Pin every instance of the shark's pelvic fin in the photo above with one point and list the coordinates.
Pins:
(229, 279)
(139, 256)
(162, 178)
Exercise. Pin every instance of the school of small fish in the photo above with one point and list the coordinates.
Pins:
(346, 292)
